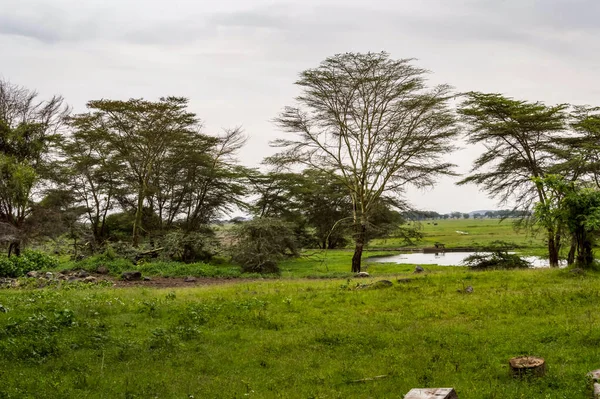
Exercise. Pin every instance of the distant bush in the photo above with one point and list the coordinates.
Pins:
(500, 245)
(189, 247)
(496, 260)
(260, 243)
(17, 266)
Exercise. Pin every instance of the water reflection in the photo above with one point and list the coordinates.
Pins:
(447, 259)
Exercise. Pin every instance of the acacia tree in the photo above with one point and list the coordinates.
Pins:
(576, 209)
(521, 139)
(371, 123)
(91, 171)
(142, 134)
(28, 127)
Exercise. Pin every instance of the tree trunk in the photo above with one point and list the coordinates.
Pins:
(527, 366)
(358, 248)
(138, 219)
(571, 256)
(585, 257)
(14, 248)
(552, 250)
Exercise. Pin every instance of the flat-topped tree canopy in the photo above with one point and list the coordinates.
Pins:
(371, 123)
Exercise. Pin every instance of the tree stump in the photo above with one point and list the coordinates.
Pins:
(431, 393)
(527, 366)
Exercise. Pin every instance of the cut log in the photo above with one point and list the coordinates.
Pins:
(527, 366)
(431, 393)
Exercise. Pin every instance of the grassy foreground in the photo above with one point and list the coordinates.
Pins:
(304, 338)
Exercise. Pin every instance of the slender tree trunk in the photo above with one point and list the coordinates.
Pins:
(137, 223)
(552, 250)
(585, 257)
(14, 248)
(358, 248)
(571, 256)
(588, 256)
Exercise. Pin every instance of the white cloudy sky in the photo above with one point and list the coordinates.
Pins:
(237, 59)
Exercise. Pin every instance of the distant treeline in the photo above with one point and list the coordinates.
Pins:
(501, 214)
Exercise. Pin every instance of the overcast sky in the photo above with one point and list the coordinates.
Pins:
(237, 60)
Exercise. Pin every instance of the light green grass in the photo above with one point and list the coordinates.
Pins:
(304, 338)
(481, 233)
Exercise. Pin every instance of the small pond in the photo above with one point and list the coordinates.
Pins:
(446, 259)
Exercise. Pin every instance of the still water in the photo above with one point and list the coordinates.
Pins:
(447, 259)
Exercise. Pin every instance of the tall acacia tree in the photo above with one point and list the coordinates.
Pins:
(91, 171)
(28, 127)
(371, 123)
(143, 133)
(521, 139)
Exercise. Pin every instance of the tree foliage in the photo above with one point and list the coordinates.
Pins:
(521, 139)
(576, 210)
(371, 123)
(28, 127)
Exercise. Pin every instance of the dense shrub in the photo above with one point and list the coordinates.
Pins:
(260, 243)
(496, 260)
(17, 266)
(189, 247)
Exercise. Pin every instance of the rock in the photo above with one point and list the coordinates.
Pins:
(577, 271)
(419, 269)
(404, 280)
(469, 289)
(82, 274)
(146, 278)
(362, 274)
(131, 276)
(72, 278)
(596, 390)
(32, 274)
(90, 279)
(381, 284)
(594, 375)
(376, 285)
(49, 275)
(102, 269)
(190, 279)
(431, 393)
(3, 309)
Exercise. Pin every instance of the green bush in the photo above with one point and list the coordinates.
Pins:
(189, 247)
(41, 260)
(260, 243)
(496, 260)
(17, 266)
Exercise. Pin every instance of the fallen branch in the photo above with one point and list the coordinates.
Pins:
(377, 377)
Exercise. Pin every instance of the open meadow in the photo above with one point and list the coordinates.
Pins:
(314, 331)
(299, 338)
(471, 233)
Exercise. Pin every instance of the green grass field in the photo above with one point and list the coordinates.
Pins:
(303, 338)
(314, 331)
(480, 233)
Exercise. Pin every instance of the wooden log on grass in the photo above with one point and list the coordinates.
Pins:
(431, 393)
(527, 366)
